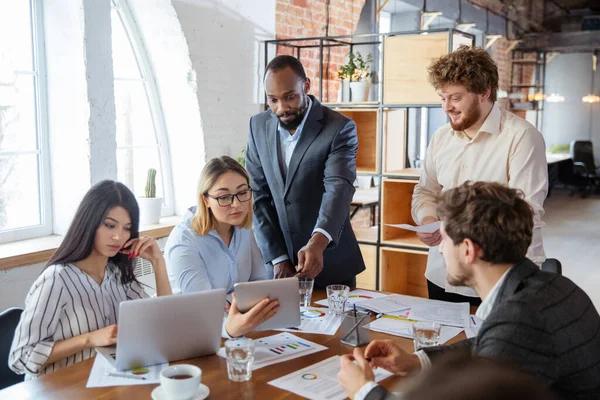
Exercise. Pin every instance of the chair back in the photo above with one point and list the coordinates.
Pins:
(583, 151)
(552, 265)
(9, 319)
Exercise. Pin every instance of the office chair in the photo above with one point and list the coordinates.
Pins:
(552, 265)
(9, 319)
(582, 153)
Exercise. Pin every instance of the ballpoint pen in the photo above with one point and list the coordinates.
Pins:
(119, 375)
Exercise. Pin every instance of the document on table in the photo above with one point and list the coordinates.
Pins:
(427, 228)
(355, 297)
(101, 367)
(403, 327)
(455, 314)
(319, 381)
(387, 304)
(278, 348)
(316, 320)
(475, 324)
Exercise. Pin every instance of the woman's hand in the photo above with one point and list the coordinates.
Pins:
(239, 324)
(103, 337)
(145, 247)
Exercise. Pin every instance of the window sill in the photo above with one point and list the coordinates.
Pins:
(39, 250)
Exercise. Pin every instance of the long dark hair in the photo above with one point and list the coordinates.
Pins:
(79, 240)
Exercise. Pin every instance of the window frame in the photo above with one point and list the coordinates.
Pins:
(153, 99)
(43, 146)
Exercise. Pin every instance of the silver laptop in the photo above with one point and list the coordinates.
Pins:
(284, 290)
(167, 328)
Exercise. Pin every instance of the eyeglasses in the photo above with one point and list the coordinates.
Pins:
(227, 199)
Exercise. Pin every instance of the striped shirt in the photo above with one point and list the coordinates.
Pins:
(65, 302)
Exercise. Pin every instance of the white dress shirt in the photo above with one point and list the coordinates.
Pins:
(506, 149)
(287, 144)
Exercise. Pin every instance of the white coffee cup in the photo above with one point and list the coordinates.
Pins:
(175, 386)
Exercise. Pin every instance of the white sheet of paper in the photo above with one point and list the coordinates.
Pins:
(397, 327)
(386, 304)
(316, 320)
(102, 366)
(319, 381)
(355, 297)
(278, 348)
(427, 228)
(454, 314)
(475, 324)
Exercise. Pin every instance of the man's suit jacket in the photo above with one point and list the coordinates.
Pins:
(316, 192)
(543, 324)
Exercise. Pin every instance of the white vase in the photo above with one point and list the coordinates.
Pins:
(360, 90)
(344, 91)
(150, 208)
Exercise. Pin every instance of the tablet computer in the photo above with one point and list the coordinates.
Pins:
(284, 290)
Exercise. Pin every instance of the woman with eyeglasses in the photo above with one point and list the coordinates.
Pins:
(215, 248)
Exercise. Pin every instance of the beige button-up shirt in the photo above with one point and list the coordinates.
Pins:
(506, 149)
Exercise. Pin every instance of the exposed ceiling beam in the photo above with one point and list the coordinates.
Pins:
(562, 42)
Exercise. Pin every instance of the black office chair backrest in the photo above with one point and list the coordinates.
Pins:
(552, 265)
(9, 319)
(583, 151)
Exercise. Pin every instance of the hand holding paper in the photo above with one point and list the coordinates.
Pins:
(426, 228)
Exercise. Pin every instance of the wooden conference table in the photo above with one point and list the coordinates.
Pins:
(69, 382)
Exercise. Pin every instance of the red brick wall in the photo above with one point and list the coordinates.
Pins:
(308, 18)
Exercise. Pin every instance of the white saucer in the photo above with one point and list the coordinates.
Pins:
(201, 394)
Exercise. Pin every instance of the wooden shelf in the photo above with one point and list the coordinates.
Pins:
(406, 172)
(403, 271)
(336, 105)
(394, 139)
(367, 129)
(396, 199)
(368, 278)
(406, 239)
(405, 62)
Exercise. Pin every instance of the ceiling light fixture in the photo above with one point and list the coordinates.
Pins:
(555, 98)
(428, 17)
(592, 98)
(491, 40)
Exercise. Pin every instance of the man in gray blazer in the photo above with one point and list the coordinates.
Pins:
(539, 322)
(301, 158)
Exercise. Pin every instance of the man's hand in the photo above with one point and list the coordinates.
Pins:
(310, 257)
(284, 269)
(385, 354)
(353, 376)
(239, 324)
(430, 239)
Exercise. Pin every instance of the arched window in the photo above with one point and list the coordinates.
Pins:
(141, 137)
(25, 198)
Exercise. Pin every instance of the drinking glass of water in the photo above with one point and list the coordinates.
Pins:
(305, 285)
(426, 334)
(337, 295)
(240, 356)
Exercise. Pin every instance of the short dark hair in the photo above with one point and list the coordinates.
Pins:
(459, 376)
(496, 218)
(79, 240)
(284, 61)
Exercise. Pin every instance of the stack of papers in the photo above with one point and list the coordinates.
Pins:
(278, 348)
(316, 320)
(427, 228)
(319, 381)
(100, 369)
(454, 314)
(355, 298)
(398, 326)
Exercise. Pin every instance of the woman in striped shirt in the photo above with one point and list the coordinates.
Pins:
(73, 305)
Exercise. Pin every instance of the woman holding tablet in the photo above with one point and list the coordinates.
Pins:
(73, 305)
(215, 248)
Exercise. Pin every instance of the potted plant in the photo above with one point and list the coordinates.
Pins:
(150, 205)
(357, 71)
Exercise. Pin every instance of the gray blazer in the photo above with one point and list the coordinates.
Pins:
(316, 193)
(544, 324)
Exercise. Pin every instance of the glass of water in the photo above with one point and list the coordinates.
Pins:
(240, 356)
(305, 285)
(426, 334)
(337, 295)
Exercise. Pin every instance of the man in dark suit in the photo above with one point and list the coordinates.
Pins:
(301, 158)
(539, 322)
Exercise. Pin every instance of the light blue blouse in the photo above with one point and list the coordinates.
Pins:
(196, 263)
